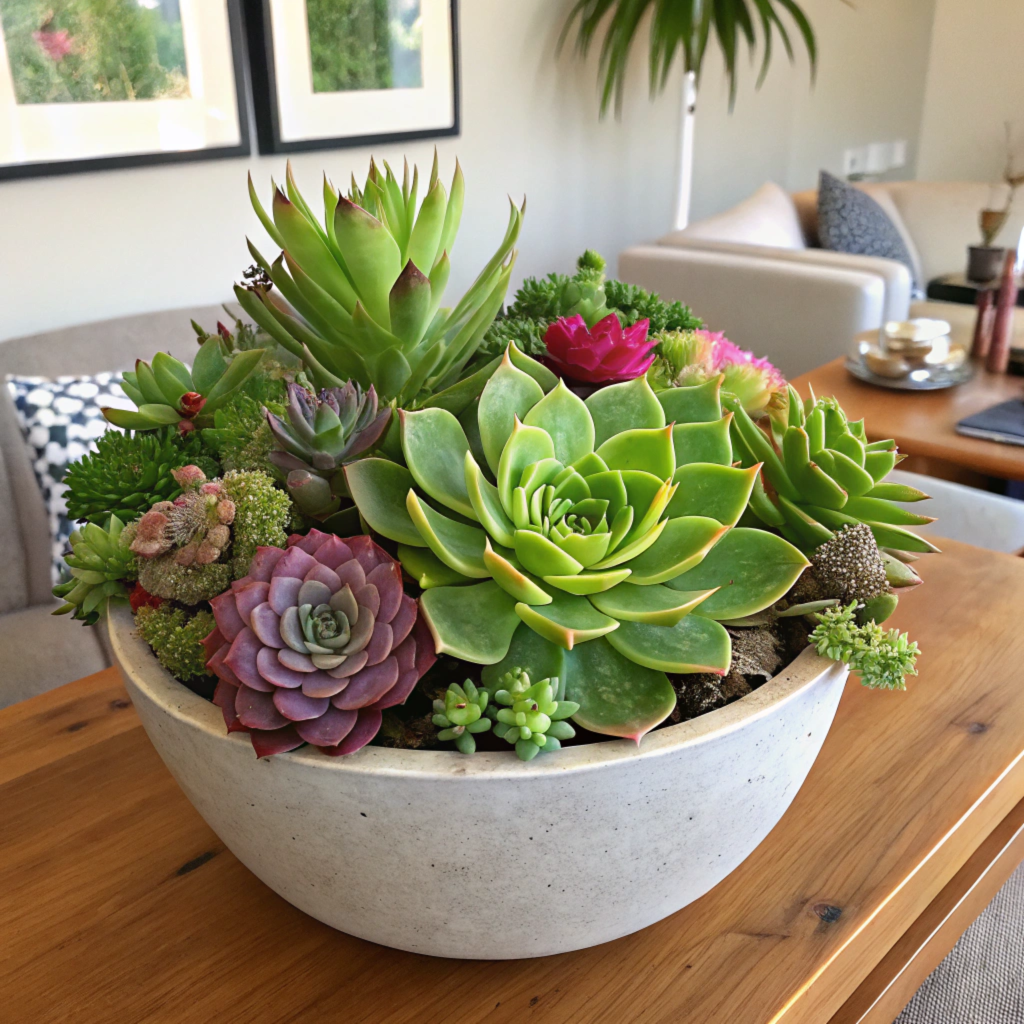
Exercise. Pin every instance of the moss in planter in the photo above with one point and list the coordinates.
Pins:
(176, 639)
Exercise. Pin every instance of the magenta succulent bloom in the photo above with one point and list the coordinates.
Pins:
(315, 643)
(606, 354)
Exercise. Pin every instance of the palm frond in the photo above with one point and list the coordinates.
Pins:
(683, 28)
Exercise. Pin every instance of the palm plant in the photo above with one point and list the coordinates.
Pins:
(684, 27)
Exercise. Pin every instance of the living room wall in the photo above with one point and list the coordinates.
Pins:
(974, 86)
(86, 247)
(870, 87)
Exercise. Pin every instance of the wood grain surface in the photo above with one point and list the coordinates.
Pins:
(922, 422)
(899, 974)
(118, 904)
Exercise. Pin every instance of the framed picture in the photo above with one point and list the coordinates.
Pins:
(93, 84)
(330, 73)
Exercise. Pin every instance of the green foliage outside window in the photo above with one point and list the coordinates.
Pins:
(80, 51)
(364, 44)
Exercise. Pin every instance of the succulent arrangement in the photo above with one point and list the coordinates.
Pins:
(365, 518)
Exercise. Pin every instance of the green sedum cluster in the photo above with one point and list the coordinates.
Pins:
(595, 541)
(460, 716)
(99, 563)
(541, 301)
(129, 472)
(532, 719)
(176, 638)
(883, 658)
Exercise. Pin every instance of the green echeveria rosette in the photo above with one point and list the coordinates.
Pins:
(99, 564)
(591, 541)
(824, 474)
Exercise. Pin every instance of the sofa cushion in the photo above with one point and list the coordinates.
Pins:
(768, 217)
(851, 221)
(60, 421)
(42, 651)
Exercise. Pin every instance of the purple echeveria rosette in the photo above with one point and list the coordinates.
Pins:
(315, 643)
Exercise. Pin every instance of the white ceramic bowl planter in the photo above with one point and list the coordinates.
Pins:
(438, 853)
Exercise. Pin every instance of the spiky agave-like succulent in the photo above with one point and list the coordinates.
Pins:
(593, 541)
(99, 565)
(359, 297)
(320, 434)
(167, 393)
(824, 475)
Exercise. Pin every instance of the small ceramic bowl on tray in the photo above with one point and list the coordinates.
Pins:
(911, 355)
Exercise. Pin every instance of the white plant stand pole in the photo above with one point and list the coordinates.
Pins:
(685, 191)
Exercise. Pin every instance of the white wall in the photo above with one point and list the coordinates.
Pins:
(90, 246)
(975, 83)
(872, 60)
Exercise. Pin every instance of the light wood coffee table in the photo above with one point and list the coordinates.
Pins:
(118, 904)
(923, 422)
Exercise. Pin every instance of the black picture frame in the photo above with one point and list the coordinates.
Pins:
(264, 92)
(239, 53)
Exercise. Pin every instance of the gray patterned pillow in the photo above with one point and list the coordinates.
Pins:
(60, 420)
(849, 220)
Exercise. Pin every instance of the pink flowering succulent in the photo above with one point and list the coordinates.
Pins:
(196, 524)
(315, 643)
(608, 353)
(693, 357)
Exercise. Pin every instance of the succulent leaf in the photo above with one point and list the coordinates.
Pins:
(752, 570)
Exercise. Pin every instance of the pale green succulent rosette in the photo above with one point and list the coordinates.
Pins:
(359, 296)
(593, 541)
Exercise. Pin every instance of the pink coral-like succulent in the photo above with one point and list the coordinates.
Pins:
(56, 45)
(606, 354)
(315, 643)
(197, 522)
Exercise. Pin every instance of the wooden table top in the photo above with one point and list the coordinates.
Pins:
(118, 903)
(923, 422)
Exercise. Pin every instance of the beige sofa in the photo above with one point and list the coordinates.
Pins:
(37, 650)
(757, 272)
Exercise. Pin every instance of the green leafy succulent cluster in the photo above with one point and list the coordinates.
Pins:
(167, 393)
(240, 436)
(883, 658)
(359, 297)
(176, 638)
(541, 301)
(824, 475)
(99, 563)
(595, 541)
(460, 716)
(533, 718)
(129, 472)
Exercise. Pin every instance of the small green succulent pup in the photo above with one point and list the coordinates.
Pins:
(460, 715)
(531, 719)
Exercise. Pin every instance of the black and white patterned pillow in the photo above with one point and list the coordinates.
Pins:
(849, 220)
(60, 420)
